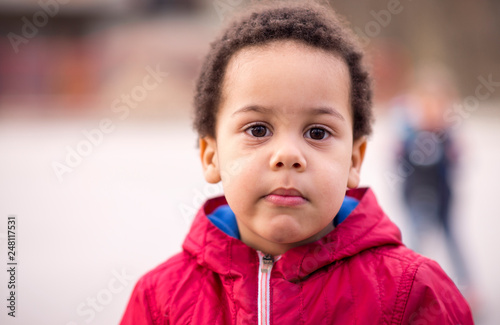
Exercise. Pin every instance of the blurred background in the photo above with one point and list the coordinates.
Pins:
(100, 166)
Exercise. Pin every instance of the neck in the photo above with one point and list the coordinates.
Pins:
(278, 248)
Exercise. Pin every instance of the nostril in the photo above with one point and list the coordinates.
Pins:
(280, 164)
(296, 165)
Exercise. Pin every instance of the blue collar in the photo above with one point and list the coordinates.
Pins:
(224, 219)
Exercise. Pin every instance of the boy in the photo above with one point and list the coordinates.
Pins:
(283, 109)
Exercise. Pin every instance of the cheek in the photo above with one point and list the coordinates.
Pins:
(331, 180)
(238, 169)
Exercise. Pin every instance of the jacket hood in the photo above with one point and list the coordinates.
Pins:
(367, 226)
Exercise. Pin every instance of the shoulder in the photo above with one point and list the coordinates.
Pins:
(150, 299)
(398, 261)
(433, 297)
(160, 282)
(425, 293)
(413, 288)
(167, 272)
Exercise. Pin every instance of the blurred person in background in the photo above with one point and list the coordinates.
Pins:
(429, 154)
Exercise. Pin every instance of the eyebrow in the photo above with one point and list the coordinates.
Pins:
(324, 110)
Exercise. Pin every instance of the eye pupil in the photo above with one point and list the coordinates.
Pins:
(259, 131)
(317, 134)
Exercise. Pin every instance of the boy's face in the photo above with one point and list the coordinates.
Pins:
(284, 145)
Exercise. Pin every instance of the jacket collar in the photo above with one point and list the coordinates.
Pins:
(367, 226)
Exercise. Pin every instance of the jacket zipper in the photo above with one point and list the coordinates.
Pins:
(266, 263)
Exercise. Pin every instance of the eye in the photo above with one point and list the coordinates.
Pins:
(258, 131)
(317, 133)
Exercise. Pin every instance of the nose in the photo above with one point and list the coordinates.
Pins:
(288, 155)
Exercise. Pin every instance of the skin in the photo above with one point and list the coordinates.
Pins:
(283, 145)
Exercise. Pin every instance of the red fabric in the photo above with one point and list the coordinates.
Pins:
(360, 273)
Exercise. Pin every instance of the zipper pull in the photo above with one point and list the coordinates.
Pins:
(267, 263)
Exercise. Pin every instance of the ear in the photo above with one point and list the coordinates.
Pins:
(209, 159)
(358, 154)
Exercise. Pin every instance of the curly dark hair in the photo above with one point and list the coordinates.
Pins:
(310, 23)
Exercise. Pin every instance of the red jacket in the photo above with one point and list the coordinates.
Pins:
(360, 273)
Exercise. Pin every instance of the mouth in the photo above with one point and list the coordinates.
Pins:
(286, 197)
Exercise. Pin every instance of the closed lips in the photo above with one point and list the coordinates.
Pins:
(286, 192)
(286, 197)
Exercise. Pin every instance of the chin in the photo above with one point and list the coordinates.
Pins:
(285, 235)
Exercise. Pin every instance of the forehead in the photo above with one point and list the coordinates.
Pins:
(286, 74)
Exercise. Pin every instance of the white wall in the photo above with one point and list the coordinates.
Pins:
(127, 207)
